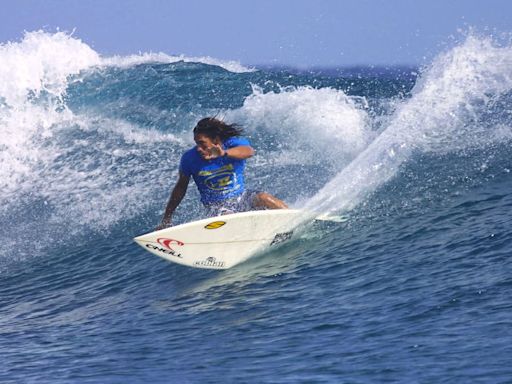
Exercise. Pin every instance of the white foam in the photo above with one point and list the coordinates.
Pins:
(145, 58)
(41, 62)
(323, 123)
(36, 67)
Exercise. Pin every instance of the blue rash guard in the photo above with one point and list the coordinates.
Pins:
(217, 179)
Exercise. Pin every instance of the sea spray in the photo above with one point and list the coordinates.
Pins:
(443, 114)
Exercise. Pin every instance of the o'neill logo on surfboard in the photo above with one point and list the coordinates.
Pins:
(167, 242)
(165, 246)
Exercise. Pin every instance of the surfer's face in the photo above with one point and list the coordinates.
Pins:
(205, 144)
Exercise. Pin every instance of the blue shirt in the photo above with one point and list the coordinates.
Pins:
(217, 179)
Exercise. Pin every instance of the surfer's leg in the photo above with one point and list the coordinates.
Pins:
(266, 200)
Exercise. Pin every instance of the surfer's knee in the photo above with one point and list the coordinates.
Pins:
(266, 200)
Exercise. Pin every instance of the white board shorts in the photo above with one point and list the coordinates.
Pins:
(241, 203)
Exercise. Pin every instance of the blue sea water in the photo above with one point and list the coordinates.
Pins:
(415, 287)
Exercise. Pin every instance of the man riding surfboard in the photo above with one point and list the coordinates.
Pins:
(216, 163)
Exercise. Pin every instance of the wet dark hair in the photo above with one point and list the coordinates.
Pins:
(213, 128)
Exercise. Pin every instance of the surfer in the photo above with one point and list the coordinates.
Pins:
(217, 165)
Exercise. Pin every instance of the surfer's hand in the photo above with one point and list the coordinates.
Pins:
(164, 224)
(215, 151)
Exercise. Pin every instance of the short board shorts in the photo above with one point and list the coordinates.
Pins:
(241, 203)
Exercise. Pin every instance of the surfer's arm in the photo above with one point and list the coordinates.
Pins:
(240, 152)
(177, 194)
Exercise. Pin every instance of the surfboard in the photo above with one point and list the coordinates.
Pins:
(224, 241)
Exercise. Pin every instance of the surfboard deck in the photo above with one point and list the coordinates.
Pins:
(224, 241)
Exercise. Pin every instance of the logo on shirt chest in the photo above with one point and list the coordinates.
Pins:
(219, 179)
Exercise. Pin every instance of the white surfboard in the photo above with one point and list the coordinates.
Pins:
(224, 241)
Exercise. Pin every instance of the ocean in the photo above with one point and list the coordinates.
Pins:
(414, 287)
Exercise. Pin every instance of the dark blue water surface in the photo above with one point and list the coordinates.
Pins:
(414, 287)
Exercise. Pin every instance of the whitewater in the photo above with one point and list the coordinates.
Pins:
(414, 287)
